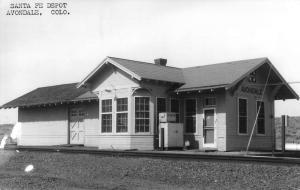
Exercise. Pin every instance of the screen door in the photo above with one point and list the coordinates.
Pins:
(209, 127)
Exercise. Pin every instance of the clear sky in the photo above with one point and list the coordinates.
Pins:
(47, 50)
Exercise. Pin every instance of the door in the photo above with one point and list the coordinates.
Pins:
(161, 106)
(209, 128)
(76, 126)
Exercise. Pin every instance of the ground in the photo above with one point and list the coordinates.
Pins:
(85, 171)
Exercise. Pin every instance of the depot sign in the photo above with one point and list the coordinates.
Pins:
(251, 90)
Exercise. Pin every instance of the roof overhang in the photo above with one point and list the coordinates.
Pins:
(53, 103)
(201, 88)
(266, 61)
(107, 60)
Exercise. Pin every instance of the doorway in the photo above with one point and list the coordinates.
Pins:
(209, 132)
(76, 128)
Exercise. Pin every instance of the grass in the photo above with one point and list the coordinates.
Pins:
(84, 171)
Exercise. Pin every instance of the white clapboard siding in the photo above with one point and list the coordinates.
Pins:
(143, 142)
(43, 126)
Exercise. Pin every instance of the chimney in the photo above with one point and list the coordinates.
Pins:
(160, 61)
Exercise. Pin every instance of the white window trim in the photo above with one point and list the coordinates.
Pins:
(238, 116)
(150, 122)
(260, 134)
(170, 107)
(116, 105)
(184, 112)
(112, 118)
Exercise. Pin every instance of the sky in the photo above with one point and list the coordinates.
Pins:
(50, 49)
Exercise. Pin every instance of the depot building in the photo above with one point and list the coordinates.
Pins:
(117, 106)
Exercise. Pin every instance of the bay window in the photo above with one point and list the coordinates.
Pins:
(142, 114)
(106, 116)
(122, 114)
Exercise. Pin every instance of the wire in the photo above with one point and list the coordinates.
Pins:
(262, 96)
(273, 84)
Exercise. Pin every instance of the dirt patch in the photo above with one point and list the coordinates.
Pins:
(83, 171)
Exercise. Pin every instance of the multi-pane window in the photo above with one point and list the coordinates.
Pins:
(142, 114)
(190, 116)
(122, 114)
(243, 116)
(260, 109)
(175, 109)
(211, 101)
(106, 116)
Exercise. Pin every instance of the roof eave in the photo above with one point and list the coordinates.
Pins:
(266, 60)
(296, 96)
(48, 103)
(244, 75)
(105, 61)
(200, 88)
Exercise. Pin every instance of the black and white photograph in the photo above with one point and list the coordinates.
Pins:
(149, 94)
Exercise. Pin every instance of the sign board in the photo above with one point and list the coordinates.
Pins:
(251, 90)
(167, 117)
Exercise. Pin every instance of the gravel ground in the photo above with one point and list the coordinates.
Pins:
(83, 171)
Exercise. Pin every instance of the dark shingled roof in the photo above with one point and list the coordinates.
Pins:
(220, 74)
(52, 94)
(152, 71)
(192, 78)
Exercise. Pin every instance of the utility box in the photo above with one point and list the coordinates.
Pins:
(170, 134)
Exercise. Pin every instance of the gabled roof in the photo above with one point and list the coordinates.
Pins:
(141, 70)
(218, 75)
(152, 71)
(51, 95)
(222, 75)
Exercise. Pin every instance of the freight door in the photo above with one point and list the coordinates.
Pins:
(76, 126)
(209, 128)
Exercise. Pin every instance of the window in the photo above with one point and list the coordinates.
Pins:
(243, 117)
(261, 117)
(106, 116)
(142, 114)
(122, 114)
(211, 101)
(175, 109)
(190, 116)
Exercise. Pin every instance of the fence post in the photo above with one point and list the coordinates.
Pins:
(283, 125)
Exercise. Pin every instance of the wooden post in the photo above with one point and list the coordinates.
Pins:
(283, 125)
(162, 138)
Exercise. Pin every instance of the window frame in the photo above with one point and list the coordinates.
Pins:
(120, 112)
(134, 116)
(184, 116)
(179, 107)
(260, 134)
(238, 114)
(106, 113)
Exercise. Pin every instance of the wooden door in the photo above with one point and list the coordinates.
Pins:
(77, 126)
